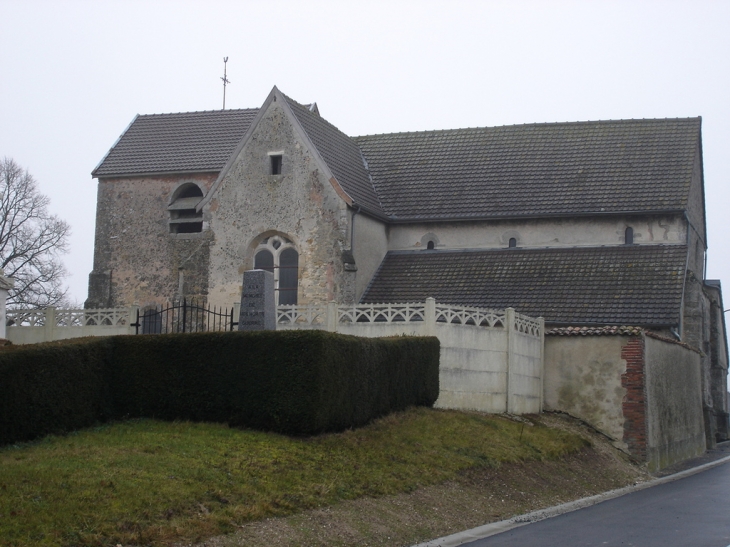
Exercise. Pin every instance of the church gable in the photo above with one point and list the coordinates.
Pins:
(696, 213)
(276, 186)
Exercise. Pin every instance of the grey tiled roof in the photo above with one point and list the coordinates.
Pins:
(342, 156)
(583, 167)
(610, 285)
(175, 143)
(497, 172)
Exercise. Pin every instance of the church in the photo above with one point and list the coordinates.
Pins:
(586, 224)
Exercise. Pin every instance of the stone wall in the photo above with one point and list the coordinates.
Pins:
(136, 258)
(696, 216)
(703, 327)
(717, 360)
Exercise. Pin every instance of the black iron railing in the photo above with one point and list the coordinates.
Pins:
(184, 316)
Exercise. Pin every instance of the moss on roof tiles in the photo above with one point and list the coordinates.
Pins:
(584, 167)
(635, 285)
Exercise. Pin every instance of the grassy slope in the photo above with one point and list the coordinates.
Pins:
(152, 483)
(475, 497)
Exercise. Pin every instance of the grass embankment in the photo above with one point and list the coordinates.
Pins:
(152, 482)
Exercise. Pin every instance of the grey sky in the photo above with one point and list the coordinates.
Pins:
(74, 74)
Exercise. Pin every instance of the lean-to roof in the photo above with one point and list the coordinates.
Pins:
(609, 285)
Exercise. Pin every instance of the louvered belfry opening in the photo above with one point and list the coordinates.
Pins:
(184, 219)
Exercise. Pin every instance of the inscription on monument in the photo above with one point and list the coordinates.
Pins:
(258, 310)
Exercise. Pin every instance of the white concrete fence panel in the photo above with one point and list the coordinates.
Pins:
(491, 360)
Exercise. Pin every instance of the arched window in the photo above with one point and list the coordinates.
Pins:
(184, 219)
(288, 276)
(264, 260)
(512, 242)
(429, 241)
(629, 236)
(277, 255)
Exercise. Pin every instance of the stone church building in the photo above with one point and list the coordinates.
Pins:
(588, 224)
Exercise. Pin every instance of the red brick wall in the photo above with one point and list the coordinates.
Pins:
(634, 403)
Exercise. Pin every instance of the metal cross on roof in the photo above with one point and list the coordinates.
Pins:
(225, 81)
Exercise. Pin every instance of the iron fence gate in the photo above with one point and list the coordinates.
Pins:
(184, 316)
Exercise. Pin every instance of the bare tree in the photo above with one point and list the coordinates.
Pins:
(31, 241)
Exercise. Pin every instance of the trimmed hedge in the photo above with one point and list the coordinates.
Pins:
(53, 388)
(294, 382)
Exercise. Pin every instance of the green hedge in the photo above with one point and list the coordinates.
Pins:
(53, 388)
(296, 382)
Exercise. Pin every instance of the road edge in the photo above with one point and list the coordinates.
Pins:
(491, 529)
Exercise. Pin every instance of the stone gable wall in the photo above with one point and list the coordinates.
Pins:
(299, 204)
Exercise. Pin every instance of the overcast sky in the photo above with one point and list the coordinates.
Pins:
(73, 74)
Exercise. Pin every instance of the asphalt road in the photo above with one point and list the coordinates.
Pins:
(691, 512)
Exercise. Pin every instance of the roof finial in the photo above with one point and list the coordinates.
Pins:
(225, 81)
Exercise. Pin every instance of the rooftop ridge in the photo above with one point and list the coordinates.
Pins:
(193, 112)
(535, 124)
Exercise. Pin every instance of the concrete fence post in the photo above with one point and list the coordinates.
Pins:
(6, 284)
(430, 316)
(132, 319)
(510, 332)
(50, 326)
(541, 323)
(3, 313)
(332, 316)
(237, 314)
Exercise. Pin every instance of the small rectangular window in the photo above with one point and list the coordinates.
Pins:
(276, 165)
